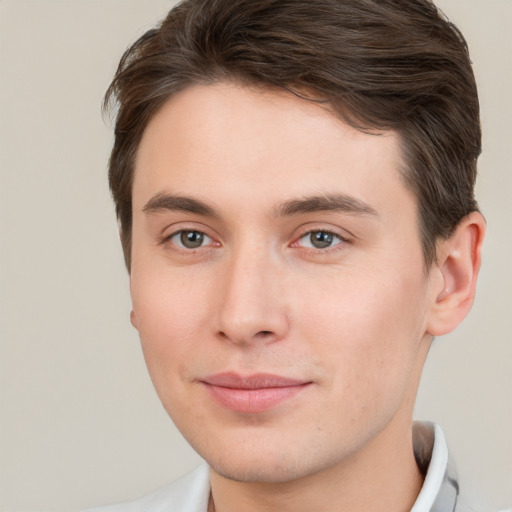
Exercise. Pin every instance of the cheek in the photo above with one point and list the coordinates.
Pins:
(368, 331)
(171, 318)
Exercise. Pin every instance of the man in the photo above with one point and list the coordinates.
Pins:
(294, 186)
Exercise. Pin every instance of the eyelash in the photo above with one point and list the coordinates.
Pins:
(334, 246)
(181, 248)
(318, 250)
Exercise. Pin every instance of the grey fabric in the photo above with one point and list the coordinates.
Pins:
(448, 497)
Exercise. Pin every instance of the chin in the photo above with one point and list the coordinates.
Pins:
(267, 462)
(259, 471)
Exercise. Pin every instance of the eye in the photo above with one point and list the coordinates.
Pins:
(190, 239)
(320, 239)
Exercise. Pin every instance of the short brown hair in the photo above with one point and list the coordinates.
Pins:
(380, 65)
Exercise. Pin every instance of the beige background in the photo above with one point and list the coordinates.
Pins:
(79, 421)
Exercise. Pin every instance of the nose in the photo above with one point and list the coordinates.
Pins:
(251, 303)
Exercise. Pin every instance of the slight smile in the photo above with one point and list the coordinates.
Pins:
(253, 393)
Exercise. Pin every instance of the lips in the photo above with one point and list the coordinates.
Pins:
(253, 393)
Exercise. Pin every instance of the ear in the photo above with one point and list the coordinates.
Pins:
(458, 263)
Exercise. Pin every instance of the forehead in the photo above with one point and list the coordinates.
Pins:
(230, 142)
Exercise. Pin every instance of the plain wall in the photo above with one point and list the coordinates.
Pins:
(80, 423)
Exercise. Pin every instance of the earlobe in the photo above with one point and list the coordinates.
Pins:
(133, 319)
(458, 263)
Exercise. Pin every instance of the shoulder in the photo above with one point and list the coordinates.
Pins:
(188, 494)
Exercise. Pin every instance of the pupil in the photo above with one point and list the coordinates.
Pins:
(191, 239)
(321, 239)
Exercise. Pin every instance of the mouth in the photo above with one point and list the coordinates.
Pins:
(253, 393)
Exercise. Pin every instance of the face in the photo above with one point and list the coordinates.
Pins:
(277, 280)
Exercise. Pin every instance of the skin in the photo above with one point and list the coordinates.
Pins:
(354, 318)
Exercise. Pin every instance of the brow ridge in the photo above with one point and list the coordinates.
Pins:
(311, 204)
(326, 202)
(171, 202)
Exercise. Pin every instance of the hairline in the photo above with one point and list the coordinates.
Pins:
(309, 94)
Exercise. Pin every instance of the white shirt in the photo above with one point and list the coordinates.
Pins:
(440, 491)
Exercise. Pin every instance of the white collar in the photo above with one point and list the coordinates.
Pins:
(440, 491)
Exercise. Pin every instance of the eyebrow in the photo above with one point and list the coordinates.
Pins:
(319, 203)
(169, 202)
(327, 202)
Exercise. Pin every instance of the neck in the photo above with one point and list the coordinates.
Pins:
(383, 476)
